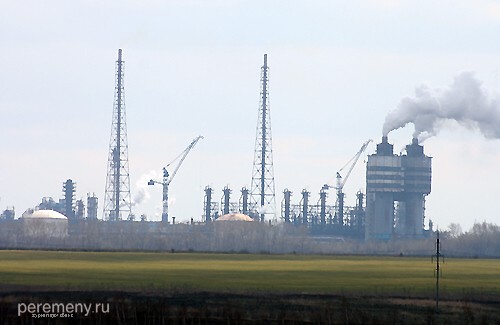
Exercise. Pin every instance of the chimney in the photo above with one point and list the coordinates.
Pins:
(414, 149)
(384, 148)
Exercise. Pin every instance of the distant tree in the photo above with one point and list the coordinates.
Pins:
(485, 228)
(455, 230)
(483, 239)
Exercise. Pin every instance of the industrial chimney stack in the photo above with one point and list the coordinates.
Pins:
(405, 179)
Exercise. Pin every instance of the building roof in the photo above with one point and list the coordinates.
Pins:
(234, 217)
(45, 214)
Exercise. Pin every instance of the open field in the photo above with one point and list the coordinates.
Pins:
(163, 288)
(246, 273)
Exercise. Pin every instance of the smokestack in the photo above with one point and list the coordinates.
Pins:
(384, 148)
(414, 149)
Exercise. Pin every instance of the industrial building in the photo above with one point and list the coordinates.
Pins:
(392, 207)
(396, 186)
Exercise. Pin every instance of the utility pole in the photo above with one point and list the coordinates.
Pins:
(438, 256)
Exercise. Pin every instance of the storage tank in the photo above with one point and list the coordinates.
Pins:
(44, 223)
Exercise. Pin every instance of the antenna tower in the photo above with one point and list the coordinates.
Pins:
(117, 200)
(262, 190)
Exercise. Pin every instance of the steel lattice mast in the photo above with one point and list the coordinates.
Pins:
(117, 199)
(262, 189)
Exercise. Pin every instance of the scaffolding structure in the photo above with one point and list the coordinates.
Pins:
(321, 218)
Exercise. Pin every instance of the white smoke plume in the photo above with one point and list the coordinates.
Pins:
(464, 101)
(263, 209)
(142, 188)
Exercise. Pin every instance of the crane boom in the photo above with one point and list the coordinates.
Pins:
(182, 156)
(167, 180)
(354, 161)
(339, 206)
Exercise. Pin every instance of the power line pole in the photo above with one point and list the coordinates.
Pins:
(438, 256)
(117, 199)
(262, 189)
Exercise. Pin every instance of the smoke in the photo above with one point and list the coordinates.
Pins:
(464, 101)
(142, 189)
(264, 209)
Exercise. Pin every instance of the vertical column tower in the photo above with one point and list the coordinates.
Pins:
(225, 200)
(208, 204)
(384, 180)
(262, 190)
(91, 207)
(117, 199)
(243, 204)
(285, 206)
(69, 197)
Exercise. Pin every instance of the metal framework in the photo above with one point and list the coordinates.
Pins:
(211, 208)
(167, 178)
(262, 191)
(117, 199)
(320, 217)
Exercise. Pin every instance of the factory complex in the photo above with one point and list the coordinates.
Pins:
(393, 206)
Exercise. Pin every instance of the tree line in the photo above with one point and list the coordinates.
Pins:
(482, 240)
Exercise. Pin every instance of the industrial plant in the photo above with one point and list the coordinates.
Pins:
(392, 207)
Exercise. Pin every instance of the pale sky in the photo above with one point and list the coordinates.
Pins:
(337, 68)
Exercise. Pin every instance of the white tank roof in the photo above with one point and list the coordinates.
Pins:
(45, 214)
(234, 217)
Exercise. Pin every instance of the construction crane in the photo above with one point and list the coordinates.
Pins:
(167, 178)
(339, 213)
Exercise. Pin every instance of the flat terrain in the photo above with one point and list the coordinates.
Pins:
(243, 273)
(177, 288)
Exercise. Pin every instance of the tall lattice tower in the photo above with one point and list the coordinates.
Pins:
(117, 199)
(262, 190)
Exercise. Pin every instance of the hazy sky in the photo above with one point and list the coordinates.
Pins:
(337, 68)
